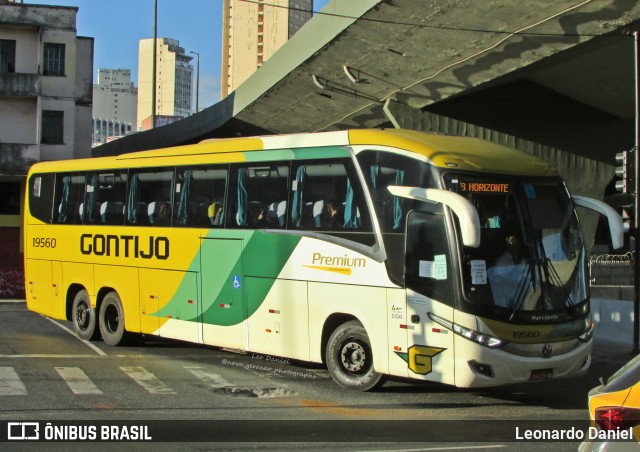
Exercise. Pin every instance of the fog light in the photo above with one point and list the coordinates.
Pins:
(481, 369)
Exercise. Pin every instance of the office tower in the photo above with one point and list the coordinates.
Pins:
(253, 31)
(174, 80)
(115, 102)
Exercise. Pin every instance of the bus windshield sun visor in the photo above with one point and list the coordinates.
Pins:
(464, 210)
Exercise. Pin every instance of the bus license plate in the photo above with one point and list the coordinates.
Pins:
(541, 374)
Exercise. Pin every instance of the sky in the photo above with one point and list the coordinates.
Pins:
(117, 25)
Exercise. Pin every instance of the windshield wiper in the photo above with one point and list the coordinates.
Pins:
(521, 289)
(554, 278)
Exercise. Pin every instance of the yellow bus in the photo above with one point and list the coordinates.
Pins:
(376, 252)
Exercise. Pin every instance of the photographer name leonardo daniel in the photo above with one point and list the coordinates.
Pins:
(573, 433)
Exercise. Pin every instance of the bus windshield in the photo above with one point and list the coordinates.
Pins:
(530, 265)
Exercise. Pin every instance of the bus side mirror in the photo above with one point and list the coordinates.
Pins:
(616, 227)
(464, 210)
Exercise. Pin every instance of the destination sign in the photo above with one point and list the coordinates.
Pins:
(484, 187)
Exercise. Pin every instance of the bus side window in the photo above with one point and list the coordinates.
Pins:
(382, 169)
(199, 196)
(41, 189)
(69, 196)
(104, 202)
(258, 196)
(327, 197)
(149, 199)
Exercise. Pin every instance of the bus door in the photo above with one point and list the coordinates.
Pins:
(223, 309)
(429, 281)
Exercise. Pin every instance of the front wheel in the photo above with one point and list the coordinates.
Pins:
(83, 316)
(112, 320)
(349, 358)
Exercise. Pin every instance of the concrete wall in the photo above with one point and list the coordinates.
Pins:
(613, 319)
(27, 47)
(19, 120)
(64, 17)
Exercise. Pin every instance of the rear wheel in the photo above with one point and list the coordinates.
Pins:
(83, 316)
(349, 358)
(112, 320)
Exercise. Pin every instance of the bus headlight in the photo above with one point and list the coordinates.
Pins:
(587, 335)
(486, 340)
(483, 339)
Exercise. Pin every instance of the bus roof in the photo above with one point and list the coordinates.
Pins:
(463, 153)
(444, 151)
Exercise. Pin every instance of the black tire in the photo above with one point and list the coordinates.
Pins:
(112, 320)
(349, 358)
(83, 316)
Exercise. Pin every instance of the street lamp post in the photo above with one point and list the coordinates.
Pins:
(197, 78)
(153, 67)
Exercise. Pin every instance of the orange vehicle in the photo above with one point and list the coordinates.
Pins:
(614, 410)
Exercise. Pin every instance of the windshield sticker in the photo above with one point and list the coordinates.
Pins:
(425, 269)
(436, 269)
(441, 266)
(478, 272)
(530, 191)
(37, 187)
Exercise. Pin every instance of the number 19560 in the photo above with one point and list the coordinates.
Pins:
(42, 242)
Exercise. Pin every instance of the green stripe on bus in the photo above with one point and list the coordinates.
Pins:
(269, 155)
(297, 154)
(255, 269)
(322, 152)
(264, 258)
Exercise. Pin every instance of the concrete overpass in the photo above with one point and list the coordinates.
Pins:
(552, 77)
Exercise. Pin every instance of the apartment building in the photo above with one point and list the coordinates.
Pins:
(253, 31)
(174, 80)
(46, 74)
(115, 103)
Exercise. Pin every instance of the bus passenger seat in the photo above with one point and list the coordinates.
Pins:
(159, 212)
(318, 210)
(112, 212)
(141, 213)
(276, 213)
(214, 212)
(282, 211)
(152, 208)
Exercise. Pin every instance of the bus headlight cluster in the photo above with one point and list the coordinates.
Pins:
(587, 335)
(479, 338)
(483, 339)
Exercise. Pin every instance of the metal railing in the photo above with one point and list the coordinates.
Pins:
(612, 270)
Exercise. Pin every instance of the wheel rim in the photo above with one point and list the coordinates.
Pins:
(83, 316)
(353, 357)
(112, 319)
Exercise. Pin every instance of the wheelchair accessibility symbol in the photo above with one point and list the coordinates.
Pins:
(236, 282)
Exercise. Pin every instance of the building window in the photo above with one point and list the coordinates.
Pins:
(52, 127)
(7, 55)
(53, 59)
(9, 198)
